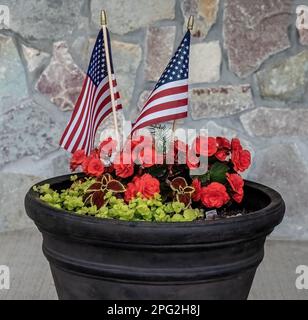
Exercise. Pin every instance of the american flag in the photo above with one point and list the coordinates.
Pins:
(169, 99)
(94, 102)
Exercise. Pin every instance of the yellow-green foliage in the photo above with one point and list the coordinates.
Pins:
(138, 209)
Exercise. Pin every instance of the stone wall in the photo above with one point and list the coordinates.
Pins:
(249, 77)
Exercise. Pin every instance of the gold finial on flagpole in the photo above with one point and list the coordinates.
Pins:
(103, 18)
(190, 24)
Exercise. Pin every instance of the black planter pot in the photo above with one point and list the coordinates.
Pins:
(93, 258)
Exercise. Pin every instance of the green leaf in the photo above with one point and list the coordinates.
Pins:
(157, 171)
(218, 172)
(204, 178)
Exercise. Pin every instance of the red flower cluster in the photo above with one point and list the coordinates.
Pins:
(146, 185)
(241, 158)
(91, 164)
(212, 196)
(217, 187)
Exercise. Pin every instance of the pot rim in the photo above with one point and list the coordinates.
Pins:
(276, 202)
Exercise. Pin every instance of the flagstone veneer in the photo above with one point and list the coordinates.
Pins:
(159, 49)
(62, 80)
(205, 61)
(13, 86)
(220, 101)
(285, 80)
(44, 19)
(129, 15)
(27, 129)
(280, 166)
(126, 60)
(253, 31)
(34, 58)
(276, 122)
(205, 13)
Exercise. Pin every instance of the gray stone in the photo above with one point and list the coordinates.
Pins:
(159, 49)
(129, 15)
(13, 188)
(62, 80)
(285, 80)
(205, 61)
(253, 31)
(220, 101)
(27, 129)
(143, 98)
(126, 60)
(35, 59)
(13, 86)
(204, 12)
(44, 19)
(281, 167)
(276, 122)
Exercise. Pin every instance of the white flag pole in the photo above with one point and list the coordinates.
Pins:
(190, 26)
(113, 103)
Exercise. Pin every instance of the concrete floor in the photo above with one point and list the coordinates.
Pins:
(31, 278)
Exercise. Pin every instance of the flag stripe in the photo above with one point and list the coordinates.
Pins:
(162, 100)
(75, 117)
(165, 106)
(79, 120)
(163, 113)
(166, 92)
(152, 120)
(75, 136)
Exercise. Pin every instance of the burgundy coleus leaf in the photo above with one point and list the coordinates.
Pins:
(94, 187)
(115, 186)
(182, 190)
(189, 190)
(105, 179)
(184, 198)
(178, 184)
(98, 199)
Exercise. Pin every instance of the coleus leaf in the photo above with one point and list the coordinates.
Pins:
(115, 186)
(184, 198)
(94, 187)
(189, 190)
(97, 199)
(178, 184)
(218, 172)
(105, 179)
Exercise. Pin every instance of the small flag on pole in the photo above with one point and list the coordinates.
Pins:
(169, 99)
(94, 102)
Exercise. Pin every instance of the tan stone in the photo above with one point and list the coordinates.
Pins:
(205, 61)
(220, 101)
